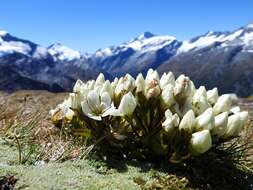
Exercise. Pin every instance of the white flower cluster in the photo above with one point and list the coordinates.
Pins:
(203, 114)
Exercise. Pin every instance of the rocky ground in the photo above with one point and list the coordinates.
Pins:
(70, 171)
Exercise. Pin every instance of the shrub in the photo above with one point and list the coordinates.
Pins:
(150, 117)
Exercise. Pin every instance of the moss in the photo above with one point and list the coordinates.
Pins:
(79, 174)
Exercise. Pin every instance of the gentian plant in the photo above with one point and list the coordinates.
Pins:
(151, 116)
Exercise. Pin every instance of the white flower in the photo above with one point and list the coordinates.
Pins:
(107, 87)
(183, 87)
(152, 89)
(91, 84)
(171, 121)
(167, 95)
(201, 142)
(235, 123)
(212, 96)
(140, 83)
(97, 106)
(78, 86)
(220, 124)
(223, 104)
(199, 101)
(74, 100)
(152, 86)
(233, 126)
(127, 104)
(114, 83)
(62, 111)
(244, 116)
(125, 84)
(205, 120)
(100, 80)
(188, 121)
(167, 79)
(152, 75)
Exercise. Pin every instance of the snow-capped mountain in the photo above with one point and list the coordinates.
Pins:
(242, 36)
(136, 55)
(27, 65)
(223, 59)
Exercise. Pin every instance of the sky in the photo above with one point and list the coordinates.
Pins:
(88, 25)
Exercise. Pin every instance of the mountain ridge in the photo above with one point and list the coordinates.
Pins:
(223, 59)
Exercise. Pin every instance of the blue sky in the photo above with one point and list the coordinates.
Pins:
(87, 25)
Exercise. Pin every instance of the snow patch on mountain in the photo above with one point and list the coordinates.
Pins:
(63, 52)
(3, 33)
(233, 35)
(250, 25)
(201, 42)
(40, 52)
(103, 52)
(14, 46)
(150, 44)
(248, 38)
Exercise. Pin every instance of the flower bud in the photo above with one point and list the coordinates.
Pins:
(223, 104)
(100, 80)
(107, 87)
(152, 89)
(188, 121)
(151, 75)
(244, 116)
(115, 82)
(127, 104)
(125, 84)
(233, 126)
(74, 100)
(200, 142)
(212, 96)
(78, 86)
(171, 121)
(205, 120)
(235, 123)
(167, 79)
(183, 87)
(220, 124)
(91, 84)
(167, 95)
(199, 101)
(140, 83)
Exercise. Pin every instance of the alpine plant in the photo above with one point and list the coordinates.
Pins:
(151, 116)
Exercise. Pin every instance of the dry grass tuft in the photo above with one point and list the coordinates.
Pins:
(24, 123)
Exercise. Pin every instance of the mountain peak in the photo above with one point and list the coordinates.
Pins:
(250, 25)
(145, 35)
(3, 33)
(55, 45)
